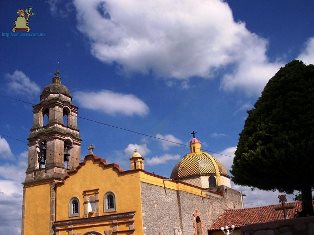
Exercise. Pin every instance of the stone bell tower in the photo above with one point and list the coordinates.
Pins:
(54, 141)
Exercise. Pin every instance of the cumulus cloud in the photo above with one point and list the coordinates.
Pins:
(11, 190)
(226, 157)
(21, 84)
(307, 55)
(112, 103)
(176, 40)
(255, 197)
(158, 160)
(168, 141)
(5, 150)
(141, 148)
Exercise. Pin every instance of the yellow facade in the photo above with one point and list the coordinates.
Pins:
(94, 176)
(36, 209)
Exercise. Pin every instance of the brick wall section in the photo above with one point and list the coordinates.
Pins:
(297, 226)
(164, 210)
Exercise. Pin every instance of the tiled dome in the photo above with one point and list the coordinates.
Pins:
(197, 164)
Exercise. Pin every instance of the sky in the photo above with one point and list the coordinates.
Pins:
(141, 71)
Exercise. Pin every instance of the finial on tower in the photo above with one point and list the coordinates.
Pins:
(56, 78)
(91, 147)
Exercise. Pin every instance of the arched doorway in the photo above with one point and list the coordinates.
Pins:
(92, 233)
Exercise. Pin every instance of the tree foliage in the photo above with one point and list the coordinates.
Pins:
(276, 145)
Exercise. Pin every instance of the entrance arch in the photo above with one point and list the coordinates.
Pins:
(93, 233)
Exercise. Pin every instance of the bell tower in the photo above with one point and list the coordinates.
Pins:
(54, 141)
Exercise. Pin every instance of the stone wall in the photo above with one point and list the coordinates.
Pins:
(297, 226)
(165, 210)
(160, 210)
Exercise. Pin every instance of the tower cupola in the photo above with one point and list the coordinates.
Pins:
(136, 161)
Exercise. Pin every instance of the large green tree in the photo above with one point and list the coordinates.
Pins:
(276, 145)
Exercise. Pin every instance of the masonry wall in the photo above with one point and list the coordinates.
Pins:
(159, 209)
(167, 210)
(207, 208)
(297, 226)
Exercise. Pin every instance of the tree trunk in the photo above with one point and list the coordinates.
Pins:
(307, 205)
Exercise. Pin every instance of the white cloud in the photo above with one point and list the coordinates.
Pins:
(256, 197)
(176, 39)
(11, 178)
(226, 157)
(5, 150)
(168, 141)
(253, 68)
(162, 159)
(112, 103)
(217, 135)
(19, 83)
(307, 55)
(141, 148)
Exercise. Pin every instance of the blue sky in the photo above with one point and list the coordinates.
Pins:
(161, 68)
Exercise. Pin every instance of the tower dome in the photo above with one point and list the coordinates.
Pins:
(200, 168)
(55, 87)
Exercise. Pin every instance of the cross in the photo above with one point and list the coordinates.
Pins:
(193, 133)
(284, 207)
(91, 147)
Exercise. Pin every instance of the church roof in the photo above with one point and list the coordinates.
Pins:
(197, 163)
(55, 87)
(255, 215)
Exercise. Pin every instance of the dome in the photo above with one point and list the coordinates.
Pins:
(197, 163)
(136, 154)
(55, 87)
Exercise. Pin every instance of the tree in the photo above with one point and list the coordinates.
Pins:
(276, 145)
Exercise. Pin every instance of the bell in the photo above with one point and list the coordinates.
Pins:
(66, 153)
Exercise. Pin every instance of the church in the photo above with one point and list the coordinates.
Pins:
(64, 195)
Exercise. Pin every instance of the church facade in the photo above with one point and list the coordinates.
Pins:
(65, 196)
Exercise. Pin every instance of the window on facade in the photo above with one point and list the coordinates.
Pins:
(212, 181)
(110, 203)
(74, 207)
